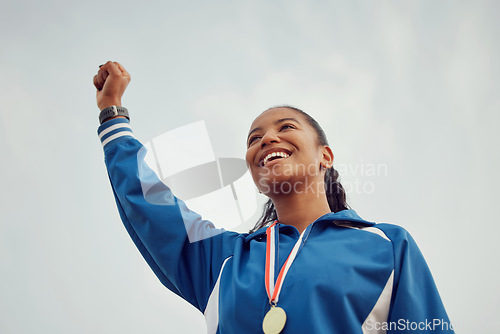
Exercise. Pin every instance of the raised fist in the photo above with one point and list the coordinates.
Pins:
(111, 82)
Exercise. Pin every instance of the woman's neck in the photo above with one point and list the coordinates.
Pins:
(300, 209)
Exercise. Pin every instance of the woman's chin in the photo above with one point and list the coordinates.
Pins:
(277, 184)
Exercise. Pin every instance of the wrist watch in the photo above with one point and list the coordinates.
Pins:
(113, 111)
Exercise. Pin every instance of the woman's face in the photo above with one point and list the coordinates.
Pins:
(283, 154)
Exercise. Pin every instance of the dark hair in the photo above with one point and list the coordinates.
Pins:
(335, 193)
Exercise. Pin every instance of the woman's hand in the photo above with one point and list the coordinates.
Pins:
(111, 82)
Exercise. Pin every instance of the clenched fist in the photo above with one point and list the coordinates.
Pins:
(111, 82)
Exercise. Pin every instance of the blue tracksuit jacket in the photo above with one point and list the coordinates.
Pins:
(350, 276)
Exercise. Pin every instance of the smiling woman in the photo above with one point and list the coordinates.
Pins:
(310, 265)
(310, 176)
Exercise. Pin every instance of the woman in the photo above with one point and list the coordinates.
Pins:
(311, 265)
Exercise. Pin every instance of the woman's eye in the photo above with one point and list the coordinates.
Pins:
(287, 126)
(251, 140)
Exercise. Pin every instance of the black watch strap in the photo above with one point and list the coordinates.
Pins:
(113, 111)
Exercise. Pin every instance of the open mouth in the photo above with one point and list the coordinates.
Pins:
(273, 157)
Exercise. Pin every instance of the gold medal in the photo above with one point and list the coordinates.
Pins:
(274, 321)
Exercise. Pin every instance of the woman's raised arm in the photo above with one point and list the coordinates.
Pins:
(185, 252)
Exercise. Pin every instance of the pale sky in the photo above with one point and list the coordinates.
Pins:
(410, 88)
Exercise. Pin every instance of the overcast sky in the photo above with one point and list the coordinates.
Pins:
(408, 87)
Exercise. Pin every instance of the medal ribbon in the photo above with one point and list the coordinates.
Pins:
(274, 289)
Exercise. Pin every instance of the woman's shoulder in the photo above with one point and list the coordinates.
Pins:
(394, 232)
(349, 218)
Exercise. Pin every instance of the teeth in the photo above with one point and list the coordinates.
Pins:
(274, 154)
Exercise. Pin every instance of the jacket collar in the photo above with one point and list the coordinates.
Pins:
(341, 218)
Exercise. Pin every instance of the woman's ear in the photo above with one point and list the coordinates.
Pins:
(327, 157)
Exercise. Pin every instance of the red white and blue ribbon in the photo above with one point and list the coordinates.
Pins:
(273, 289)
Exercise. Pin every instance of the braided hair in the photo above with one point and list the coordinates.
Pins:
(335, 193)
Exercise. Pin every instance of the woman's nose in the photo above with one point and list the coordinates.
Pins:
(268, 138)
